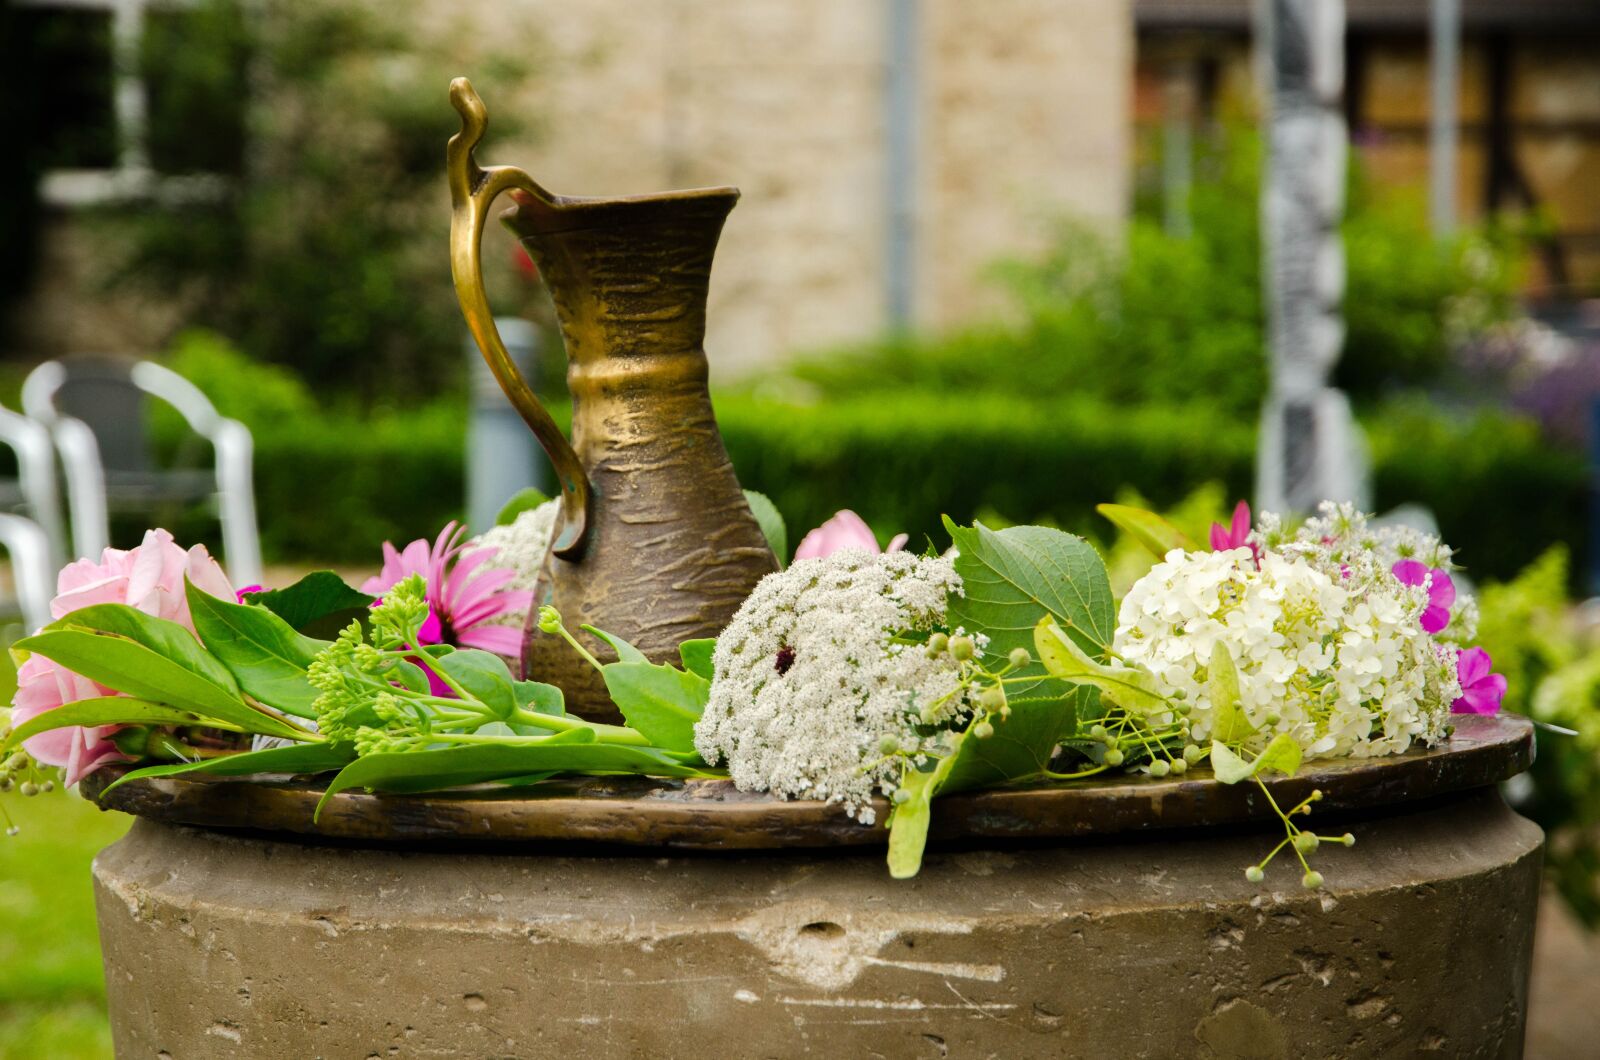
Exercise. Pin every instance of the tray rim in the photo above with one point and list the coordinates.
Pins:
(711, 815)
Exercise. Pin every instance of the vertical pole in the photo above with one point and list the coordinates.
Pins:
(1310, 447)
(1443, 121)
(501, 455)
(127, 30)
(900, 163)
(1592, 575)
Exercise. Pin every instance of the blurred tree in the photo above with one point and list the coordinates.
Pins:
(324, 246)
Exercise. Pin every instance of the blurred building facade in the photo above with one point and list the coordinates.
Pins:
(1528, 103)
(887, 151)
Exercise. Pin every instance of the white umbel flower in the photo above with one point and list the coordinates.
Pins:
(519, 547)
(1328, 650)
(811, 677)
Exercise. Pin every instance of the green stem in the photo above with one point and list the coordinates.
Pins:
(614, 734)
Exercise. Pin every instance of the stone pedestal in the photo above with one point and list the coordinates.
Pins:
(1150, 945)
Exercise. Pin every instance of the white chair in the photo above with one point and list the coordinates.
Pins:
(94, 408)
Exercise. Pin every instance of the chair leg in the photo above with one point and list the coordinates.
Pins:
(86, 487)
(31, 566)
(241, 537)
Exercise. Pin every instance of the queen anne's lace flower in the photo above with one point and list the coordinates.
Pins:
(812, 678)
(1327, 643)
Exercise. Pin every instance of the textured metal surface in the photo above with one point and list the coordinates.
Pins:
(656, 543)
(714, 816)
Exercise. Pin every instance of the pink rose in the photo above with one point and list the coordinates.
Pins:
(845, 530)
(149, 578)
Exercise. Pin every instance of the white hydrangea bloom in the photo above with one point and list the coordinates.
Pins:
(519, 547)
(1328, 647)
(810, 678)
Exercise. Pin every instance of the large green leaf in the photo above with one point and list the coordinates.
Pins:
(662, 702)
(261, 649)
(1022, 745)
(574, 751)
(483, 675)
(102, 710)
(773, 526)
(625, 652)
(1149, 529)
(1131, 687)
(130, 667)
(540, 698)
(158, 634)
(1012, 578)
(320, 604)
(297, 758)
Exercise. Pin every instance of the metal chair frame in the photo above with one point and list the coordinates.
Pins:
(85, 472)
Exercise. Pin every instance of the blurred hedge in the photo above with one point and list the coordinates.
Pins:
(332, 487)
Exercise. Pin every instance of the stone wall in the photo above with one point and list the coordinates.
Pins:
(1022, 113)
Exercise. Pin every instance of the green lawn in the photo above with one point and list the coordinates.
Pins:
(52, 998)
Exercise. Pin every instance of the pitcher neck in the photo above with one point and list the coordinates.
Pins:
(628, 277)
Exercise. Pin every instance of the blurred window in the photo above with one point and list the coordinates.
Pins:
(137, 97)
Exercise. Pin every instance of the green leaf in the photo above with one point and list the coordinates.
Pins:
(1229, 724)
(128, 666)
(662, 702)
(261, 650)
(574, 751)
(525, 500)
(412, 676)
(484, 676)
(158, 634)
(320, 604)
(1282, 755)
(1132, 688)
(1014, 577)
(540, 698)
(299, 758)
(625, 652)
(908, 821)
(773, 527)
(696, 656)
(1022, 745)
(1149, 529)
(102, 710)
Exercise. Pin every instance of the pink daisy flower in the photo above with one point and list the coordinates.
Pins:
(463, 593)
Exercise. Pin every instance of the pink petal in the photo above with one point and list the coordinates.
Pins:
(845, 530)
(1434, 619)
(898, 542)
(1410, 572)
(1472, 665)
(1442, 590)
(1241, 523)
(502, 640)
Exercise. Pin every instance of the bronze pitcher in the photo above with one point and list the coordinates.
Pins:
(655, 542)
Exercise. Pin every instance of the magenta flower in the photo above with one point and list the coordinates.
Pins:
(149, 578)
(845, 530)
(463, 594)
(1441, 591)
(1237, 535)
(1481, 691)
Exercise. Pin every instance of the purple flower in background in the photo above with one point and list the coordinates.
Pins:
(1481, 691)
(1441, 591)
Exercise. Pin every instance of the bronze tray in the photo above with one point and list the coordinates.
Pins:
(712, 815)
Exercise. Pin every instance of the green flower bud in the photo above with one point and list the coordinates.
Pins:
(1098, 732)
(17, 761)
(549, 619)
(1348, 840)
(983, 730)
(938, 644)
(1020, 657)
(1311, 880)
(888, 745)
(901, 796)
(992, 698)
(1254, 874)
(1180, 695)
(49, 785)
(1273, 719)
(1114, 757)
(1160, 768)
(29, 789)
(1306, 843)
(1192, 753)
(6, 783)
(1179, 767)
(962, 648)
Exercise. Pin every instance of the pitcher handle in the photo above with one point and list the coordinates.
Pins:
(473, 190)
